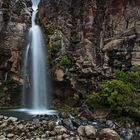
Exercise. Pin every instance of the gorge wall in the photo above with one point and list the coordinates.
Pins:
(90, 39)
(14, 19)
(87, 41)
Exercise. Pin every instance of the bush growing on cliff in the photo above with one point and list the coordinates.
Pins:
(120, 94)
(114, 94)
(130, 77)
(65, 60)
(50, 30)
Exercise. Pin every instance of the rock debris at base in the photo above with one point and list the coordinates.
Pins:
(52, 128)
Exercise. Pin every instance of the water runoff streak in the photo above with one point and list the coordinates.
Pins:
(36, 87)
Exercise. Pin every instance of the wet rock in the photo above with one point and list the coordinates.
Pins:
(5, 117)
(110, 124)
(68, 123)
(126, 133)
(108, 134)
(76, 122)
(13, 119)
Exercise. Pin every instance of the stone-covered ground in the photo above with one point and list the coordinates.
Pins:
(65, 127)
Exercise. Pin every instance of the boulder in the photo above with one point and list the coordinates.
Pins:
(112, 45)
(60, 129)
(59, 75)
(64, 115)
(68, 123)
(2, 137)
(13, 119)
(90, 131)
(81, 130)
(108, 134)
(10, 135)
(50, 125)
(1, 117)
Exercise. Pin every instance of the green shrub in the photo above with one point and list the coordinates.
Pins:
(120, 75)
(131, 77)
(115, 94)
(120, 94)
(65, 60)
(50, 30)
(134, 79)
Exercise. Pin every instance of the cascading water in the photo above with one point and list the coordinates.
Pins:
(36, 88)
(39, 87)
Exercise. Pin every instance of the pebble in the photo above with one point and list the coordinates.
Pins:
(10, 135)
(14, 119)
(2, 137)
(1, 117)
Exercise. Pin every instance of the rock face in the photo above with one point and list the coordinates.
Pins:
(98, 36)
(13, 24)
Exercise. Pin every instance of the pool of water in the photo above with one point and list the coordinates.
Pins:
(26, 114)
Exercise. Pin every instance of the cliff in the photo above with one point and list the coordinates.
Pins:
(90, 39)
(87, 41)
(14, 17)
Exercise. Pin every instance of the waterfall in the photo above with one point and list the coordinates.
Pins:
(39, 81)
(36, 87)
(26, 78)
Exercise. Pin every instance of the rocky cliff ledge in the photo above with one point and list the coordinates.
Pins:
(14, 18)
(89, 39)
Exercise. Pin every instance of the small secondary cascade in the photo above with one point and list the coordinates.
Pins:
(36, 87)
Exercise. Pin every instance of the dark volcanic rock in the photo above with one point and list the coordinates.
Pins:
(13, 25)
(35, 128)
(100, 36)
